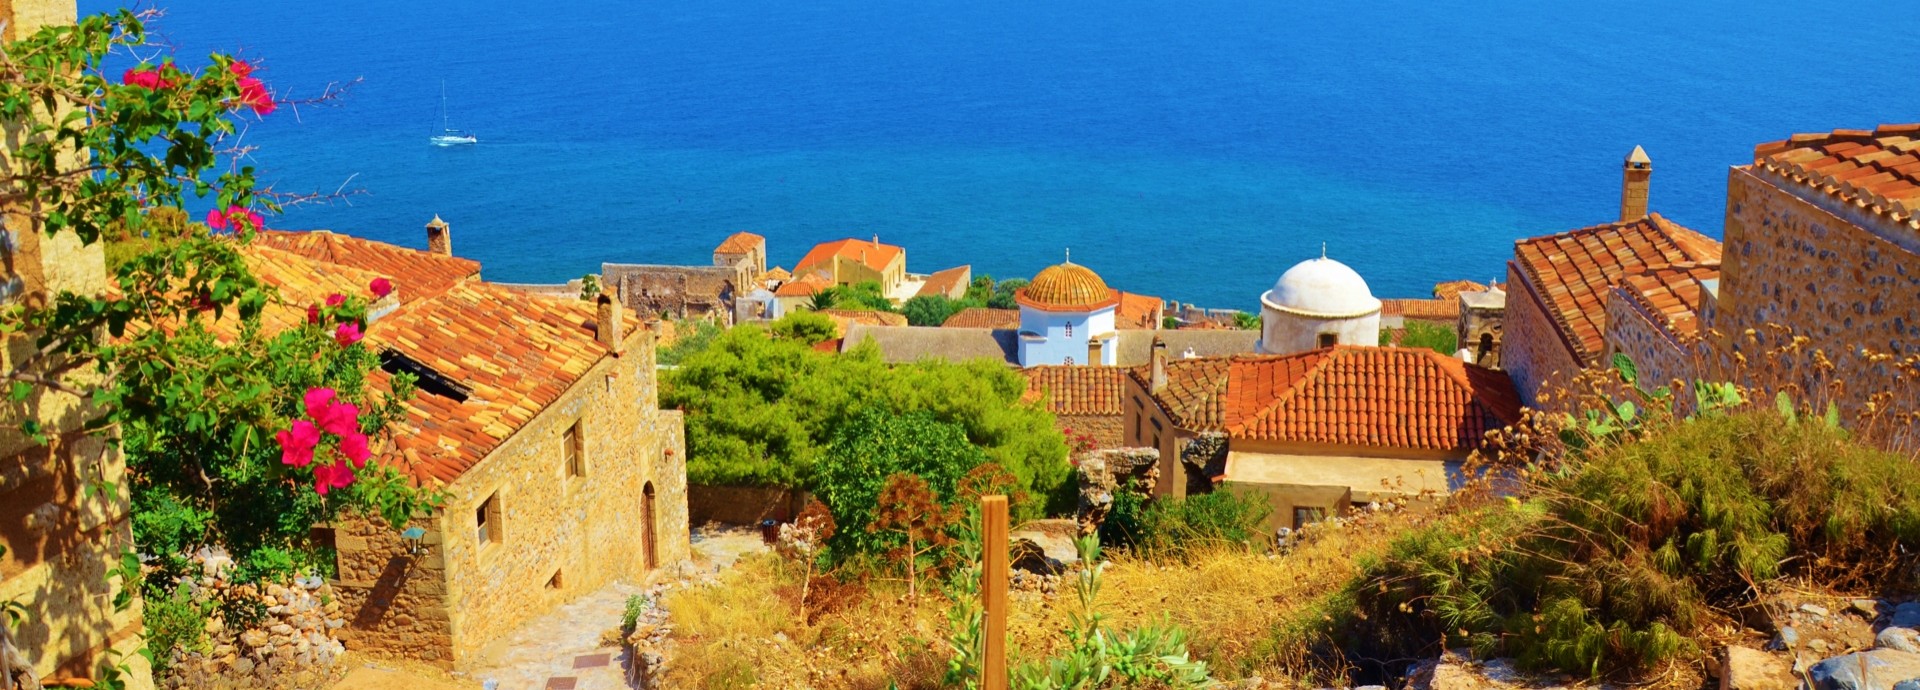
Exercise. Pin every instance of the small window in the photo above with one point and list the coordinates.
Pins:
(1069, 330)
(1156, 440)
(555, 582)
(571, 450)
(1329, 339)
(1304, 516)
(486, 520)
(1136, 427)
(1069, 359)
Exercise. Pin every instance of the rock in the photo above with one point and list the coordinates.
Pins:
(1818, 646)
(1906, 615)
(1815, 609)
(1879, 669)
(243, 666)
(1751, 669)
(1865, 607)
(254, 638)
(1789, 638)
(1903, 639)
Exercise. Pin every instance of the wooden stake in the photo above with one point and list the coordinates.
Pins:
(993, 590)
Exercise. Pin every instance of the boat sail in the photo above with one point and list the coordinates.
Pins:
(449, 136)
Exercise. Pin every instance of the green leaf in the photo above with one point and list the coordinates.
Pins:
(1784, 404)
(1833, 415)
(1624, 365)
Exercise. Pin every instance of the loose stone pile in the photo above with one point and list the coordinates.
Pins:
(293, 645)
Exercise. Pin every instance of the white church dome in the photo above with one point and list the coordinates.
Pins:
(1322, 287)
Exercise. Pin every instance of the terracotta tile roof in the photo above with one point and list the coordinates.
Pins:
(1877, 170)
(1347, 395)
(775, 274)
(1671, 293)
(873, 254)
(950, 283)
(302, 281)
(982, 317)
(869, 317)
(1451, 289)
(1422, 309)
(1067, 287)
(740, 243)
(422, 273)
(1572, 271)
(513, 353)
(804, 286)
(1076, 390)
(1138, 312)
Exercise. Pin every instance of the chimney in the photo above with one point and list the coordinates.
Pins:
(1094, 350)
(1633, 188)
(439, 236)
(606, 323)
(1159, 377)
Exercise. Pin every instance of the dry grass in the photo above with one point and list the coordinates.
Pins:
(746, 630)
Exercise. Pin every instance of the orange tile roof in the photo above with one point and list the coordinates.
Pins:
(1671, 292)
(420, 273)
(870, 317)
(873, 254)
(1877, 170)
(740, 243)
(1067, 287)
(1346, 395)
(804, 286)
(983, 317)
(302, 282)
(1451, 289)
(1422, 309)
(1572, 271)
(948, 283)
(1137, 312)
(774, 274)
(514, 353)
(1076, 390)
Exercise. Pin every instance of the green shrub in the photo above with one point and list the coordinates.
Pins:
(630, 618)
(174, 621)
(1609, 565)
(1433, 337)
(875, 445)
(1175, 527)
(806, 327)
(694, 335)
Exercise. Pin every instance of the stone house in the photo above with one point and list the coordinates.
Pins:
(1083, 400)
(1823, 238)
(852, 261)
(60, 539)
(539, 420)
(1318, 431)
(1555, 320)
(743, 249)
(690, 292)
(1653, 315)
(951, 283)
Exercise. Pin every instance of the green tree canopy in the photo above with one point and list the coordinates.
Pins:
(875, 444)
(930, 310)
(806, 327)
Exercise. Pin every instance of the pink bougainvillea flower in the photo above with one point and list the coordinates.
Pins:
(147, 78)
(329, 477)
(336, 299)
(381, 287)
(241, 68)
(317, 400)
(240, 219)
(313, 313)
(254, 94)
(347, 334)
(297, 443)
(354, 446)
(216, 219)
(338, 418)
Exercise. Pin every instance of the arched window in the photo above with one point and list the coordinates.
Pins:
(1069, 329)
(647, 537)
(1486, 347)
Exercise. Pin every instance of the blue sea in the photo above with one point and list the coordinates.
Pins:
(1192, 150)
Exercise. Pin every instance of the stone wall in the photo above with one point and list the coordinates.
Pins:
(743, 505)
(1531, 349)
(676, 291)
(393, 590)
(292, 647)
(1106, 429)
(1657, 356)
(1838, 275)
(562, 536)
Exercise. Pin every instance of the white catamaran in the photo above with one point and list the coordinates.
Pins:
(449, 136)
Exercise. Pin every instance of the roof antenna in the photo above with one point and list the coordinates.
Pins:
(1323, 250)
(1069, 254)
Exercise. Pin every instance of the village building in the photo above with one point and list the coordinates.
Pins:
(1314, 432)
(797, 294)
(61, 535)
(983, 317)
(1085, 401)
(691, 292)
(951, 283)
(1823, 238)
(853, 261)
(1555, 321)
(1654, 315)
(1318, 303)
(1482, 315)
(908, 344)
(1066, 317)
(539, 420)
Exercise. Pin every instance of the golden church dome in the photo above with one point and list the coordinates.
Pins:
(1067, 287)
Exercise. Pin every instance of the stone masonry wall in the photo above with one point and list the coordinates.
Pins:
(1107, 429)
(1658, 358)
(675, 291)
(1531, 350)
(293, 646)
(743, 505)
(561, 536)
(393, 590)
(1847, 282)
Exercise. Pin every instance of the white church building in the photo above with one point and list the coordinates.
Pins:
(1318, 303)
(1067, 317)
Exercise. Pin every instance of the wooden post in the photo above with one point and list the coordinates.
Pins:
(993, 590)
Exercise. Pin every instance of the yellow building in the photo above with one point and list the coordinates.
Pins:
(853, 261)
